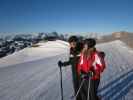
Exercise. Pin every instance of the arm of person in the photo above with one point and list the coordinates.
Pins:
(97, 65)
(80, 63)
(69, 62)
(66, 63)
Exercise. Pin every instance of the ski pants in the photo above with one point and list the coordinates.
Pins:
(93, 89)
(76, 85)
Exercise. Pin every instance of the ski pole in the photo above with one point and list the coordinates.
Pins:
(90, 75)
(61, 83)
(79, 89)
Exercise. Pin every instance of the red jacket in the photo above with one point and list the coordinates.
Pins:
(94, 63)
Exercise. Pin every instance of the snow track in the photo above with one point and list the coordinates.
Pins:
(38, 79)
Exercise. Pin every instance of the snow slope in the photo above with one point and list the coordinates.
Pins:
(33, 74)
(44, 50)
(117, 80)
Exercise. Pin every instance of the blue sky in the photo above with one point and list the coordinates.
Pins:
(102, 16)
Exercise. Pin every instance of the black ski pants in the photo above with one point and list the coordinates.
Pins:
(76, 83)
(93, 89)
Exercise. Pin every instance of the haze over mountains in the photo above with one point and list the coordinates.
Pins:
(10, 43)
(124, 36)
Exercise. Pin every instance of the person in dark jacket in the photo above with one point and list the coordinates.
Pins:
(75, 49)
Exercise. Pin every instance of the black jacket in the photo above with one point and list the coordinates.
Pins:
(74, 55)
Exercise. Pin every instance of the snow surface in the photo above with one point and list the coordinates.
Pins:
(44, 50)
(33, 74)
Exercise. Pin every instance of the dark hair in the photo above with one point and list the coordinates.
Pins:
(72, 39)
(90, 42)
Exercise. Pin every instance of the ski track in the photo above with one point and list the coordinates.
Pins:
(40, 79)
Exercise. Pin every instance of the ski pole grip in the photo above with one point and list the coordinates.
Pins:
(90, 73)
(60, 64)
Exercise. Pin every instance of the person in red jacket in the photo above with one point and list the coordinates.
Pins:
(90, 61)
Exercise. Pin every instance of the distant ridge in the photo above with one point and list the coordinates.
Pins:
(126, 37)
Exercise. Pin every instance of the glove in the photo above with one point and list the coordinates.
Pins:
(86, 75)
(60, 63)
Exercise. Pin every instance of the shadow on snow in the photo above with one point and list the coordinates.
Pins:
(118, 88)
